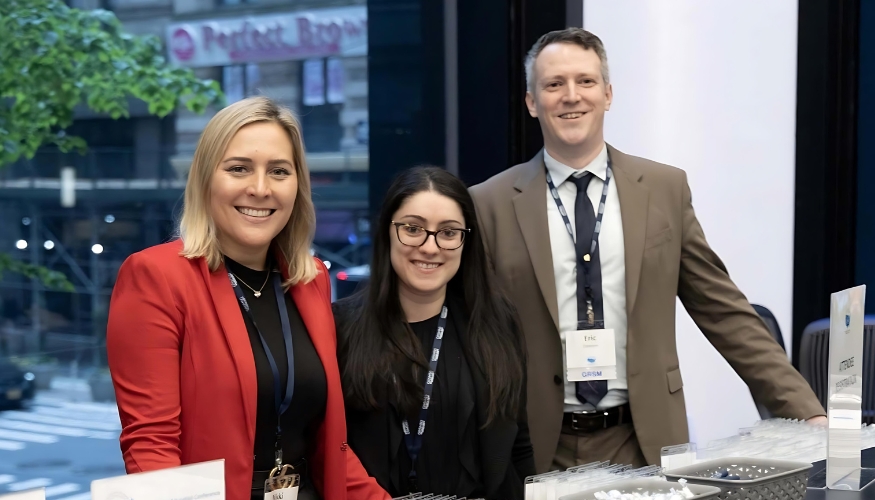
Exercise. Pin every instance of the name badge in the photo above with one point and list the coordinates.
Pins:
(590, 355)
(282, 494)
(283, 486)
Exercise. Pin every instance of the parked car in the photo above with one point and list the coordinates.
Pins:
(17, 386)
(345, 282)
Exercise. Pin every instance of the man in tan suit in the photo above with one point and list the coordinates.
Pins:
(564, 261)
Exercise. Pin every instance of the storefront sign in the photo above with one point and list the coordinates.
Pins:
(271, 37)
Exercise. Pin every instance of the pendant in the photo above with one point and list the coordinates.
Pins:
(586, 258)
(257, 294)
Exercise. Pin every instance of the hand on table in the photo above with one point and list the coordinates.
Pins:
(819, 420)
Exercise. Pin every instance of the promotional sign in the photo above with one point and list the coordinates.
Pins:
(844, 411)
(203, 481)
(271, 37)
(314, 82)
(335, 72)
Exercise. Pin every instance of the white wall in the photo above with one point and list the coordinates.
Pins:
(710, 87)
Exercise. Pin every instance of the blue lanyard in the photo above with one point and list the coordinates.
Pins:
(586, 259)
(414, 442)
(280, 403)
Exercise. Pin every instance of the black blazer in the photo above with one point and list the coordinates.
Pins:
(506, 456)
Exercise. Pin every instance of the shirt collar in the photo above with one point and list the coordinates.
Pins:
(561, 172)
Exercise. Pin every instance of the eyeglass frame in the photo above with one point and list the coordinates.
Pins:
(429, 234)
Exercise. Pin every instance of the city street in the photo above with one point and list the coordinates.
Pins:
(59, 444)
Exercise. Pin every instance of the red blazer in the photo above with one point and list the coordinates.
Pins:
(184, 374)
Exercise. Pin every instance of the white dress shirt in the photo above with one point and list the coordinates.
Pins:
(612, 255)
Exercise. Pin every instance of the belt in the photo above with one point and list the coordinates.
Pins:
(594, 420)
(260, 476)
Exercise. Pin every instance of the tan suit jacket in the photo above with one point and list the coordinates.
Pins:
(666, 257)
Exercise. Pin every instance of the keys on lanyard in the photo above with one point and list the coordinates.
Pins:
(414, 441)
(281, 403)
(584, 261)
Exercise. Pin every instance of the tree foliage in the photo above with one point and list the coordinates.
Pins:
(53, 58)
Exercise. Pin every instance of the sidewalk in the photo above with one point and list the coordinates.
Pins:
(70, 389)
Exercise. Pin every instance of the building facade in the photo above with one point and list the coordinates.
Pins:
(125, 193)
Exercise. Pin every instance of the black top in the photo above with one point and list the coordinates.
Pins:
(482, 461)
(439, 467)
(450, 438)
(307, 410)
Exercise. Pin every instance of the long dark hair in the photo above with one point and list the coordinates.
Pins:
(381, 350)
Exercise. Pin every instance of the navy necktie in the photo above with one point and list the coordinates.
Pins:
(584, 225)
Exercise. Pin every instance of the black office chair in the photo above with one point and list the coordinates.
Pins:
(775, 330)
(814, 362)
(771, 322)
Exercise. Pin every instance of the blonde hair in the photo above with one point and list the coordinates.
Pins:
(197, 228)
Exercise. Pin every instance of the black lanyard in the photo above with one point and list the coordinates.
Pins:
(280, 403)
(414, 442)
(586, 259)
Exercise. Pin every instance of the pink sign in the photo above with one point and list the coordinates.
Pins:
(300, 35)
(182, 44)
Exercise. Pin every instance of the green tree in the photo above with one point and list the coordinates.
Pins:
(53, 58)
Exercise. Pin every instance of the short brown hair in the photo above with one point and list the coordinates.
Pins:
(575, 36)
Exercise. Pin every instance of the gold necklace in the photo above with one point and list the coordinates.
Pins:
(256, 292)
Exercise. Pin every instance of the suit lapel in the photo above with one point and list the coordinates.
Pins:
(634, 199)
(237, 337)
(313, 312)
(530, 206)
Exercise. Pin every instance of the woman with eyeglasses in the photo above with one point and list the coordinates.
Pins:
(432, 362)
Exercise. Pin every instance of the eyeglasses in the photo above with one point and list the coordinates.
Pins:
(411, 235)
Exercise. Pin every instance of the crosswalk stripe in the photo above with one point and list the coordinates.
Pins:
(80, 496)
(62, 489)
(42, 399)
(76, 415)
(28, 436)
(11, 445)
(30, 483)
(62, 402)
(6, 478)
(45, 419)
(111, 408)
(57, 430)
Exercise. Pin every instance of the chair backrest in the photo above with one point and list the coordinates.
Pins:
(814, 362)
(775, 330)
(771, 322)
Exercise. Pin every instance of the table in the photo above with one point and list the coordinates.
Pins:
(817, 479)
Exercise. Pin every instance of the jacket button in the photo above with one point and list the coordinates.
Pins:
(557, 380)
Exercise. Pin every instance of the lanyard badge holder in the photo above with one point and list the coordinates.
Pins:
(590, 351)
(283, 482)
(414, 442)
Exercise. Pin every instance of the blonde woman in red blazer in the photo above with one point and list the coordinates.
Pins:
(189, 348)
